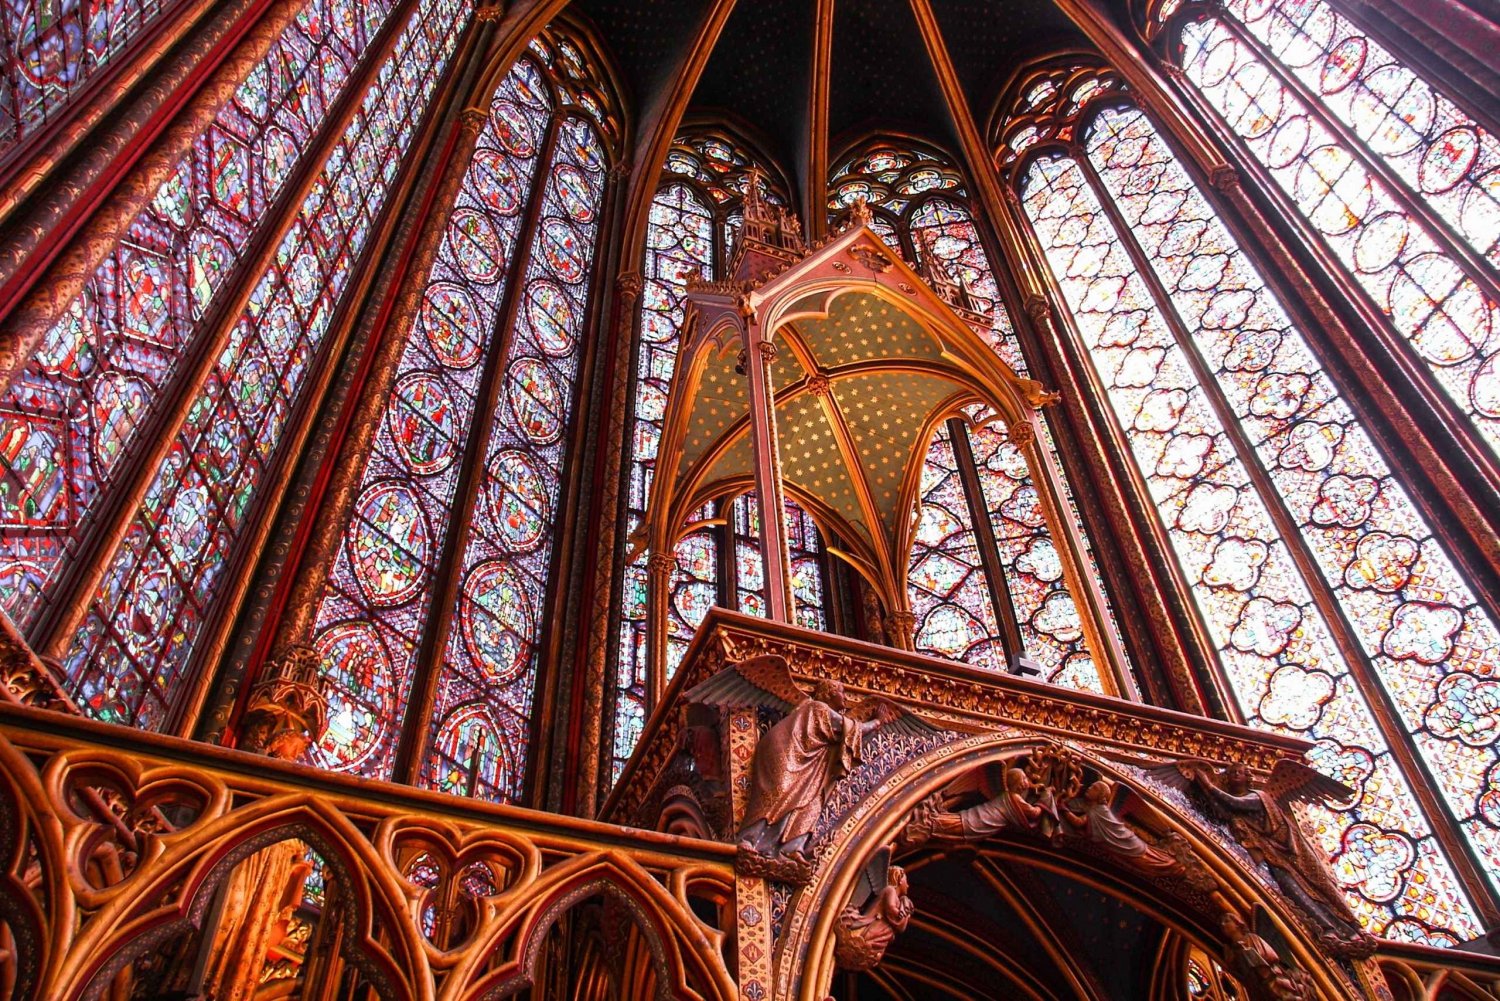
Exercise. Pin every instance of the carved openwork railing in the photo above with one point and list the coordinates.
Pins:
(143, 866)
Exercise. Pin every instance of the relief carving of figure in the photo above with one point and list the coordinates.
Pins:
(1265, 822)
(797, 761)
(1010, 810)
(1098, 822)
(878, 911)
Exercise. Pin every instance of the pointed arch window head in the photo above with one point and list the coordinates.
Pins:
(471, 456)
(963, 606)
(1398, 179)
(1309, 563)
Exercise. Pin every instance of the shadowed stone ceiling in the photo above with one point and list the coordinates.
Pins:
(880, 78)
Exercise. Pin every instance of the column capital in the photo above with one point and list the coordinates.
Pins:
(472, 120)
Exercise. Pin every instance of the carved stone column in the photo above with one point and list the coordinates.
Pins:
(659, 569)
(288, 711)
(760, 357)
(900, 627)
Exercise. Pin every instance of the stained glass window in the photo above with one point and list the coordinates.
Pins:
(505, 304)
(1259, 468)
(921, 196)
(691, 229)
(490, 667)
(1048, 620)
(53, 48)
(101, 372)
(804, 549)
(947, 586)
(1394, 176)
(380, 589)
(147, 613)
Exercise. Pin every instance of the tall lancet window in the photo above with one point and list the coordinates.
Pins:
(1337, 613)
(985, 581)
(138, 437)
(440, 594)
(1400, 181)
(694, 219)
(53, 48)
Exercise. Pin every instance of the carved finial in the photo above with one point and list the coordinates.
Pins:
(1021, 433)
(27, 679)
(288, 711)
(489, 12)
(859, 213)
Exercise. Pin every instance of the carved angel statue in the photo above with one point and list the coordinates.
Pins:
(1098, 822)
(878, 911)
(1265, 822)
(1009, 809)
(818, 741)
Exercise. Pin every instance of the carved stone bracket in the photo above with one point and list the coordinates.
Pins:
(288, 711)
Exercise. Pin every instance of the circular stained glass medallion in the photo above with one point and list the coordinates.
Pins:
(421, 423)
(513, 129)
(388, 544)
(361, 701)
(573, 191)
(497, 182)
(563, 251)
(496, 617)
(552, 317)
(535, 401)
(518, 499)
(449, 317)
(475, 246)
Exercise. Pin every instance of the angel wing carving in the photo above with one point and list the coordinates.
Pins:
(1293, 782)
(767, 682)
(759, 681)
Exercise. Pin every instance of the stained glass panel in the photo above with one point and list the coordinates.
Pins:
(926, 194)
(145, 617)
(1049, 621)
(946, 584)
(679, 241)
(1273, 641)
(484, 701)
(804, 549)
(53, 48)
(383, 576)
(74, 412)
(1432, 644)
(1345, 107)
